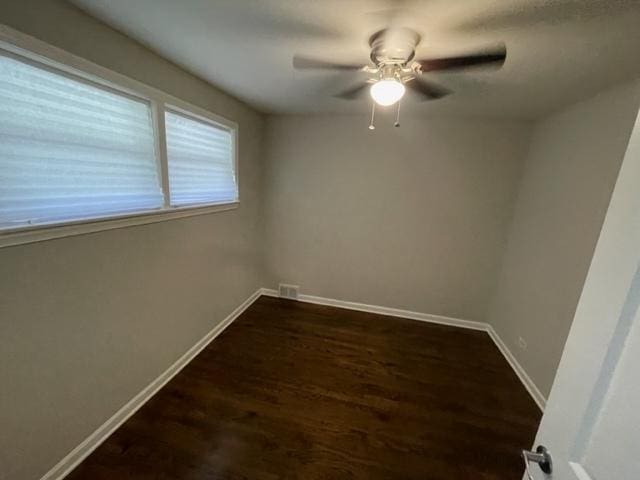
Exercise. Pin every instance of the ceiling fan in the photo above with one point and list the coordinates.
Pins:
(394, 68)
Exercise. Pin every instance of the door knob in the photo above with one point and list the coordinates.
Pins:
(541, 456)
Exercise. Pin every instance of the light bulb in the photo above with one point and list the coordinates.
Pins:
(387, 92)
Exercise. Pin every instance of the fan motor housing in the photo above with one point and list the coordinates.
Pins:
(393, 46)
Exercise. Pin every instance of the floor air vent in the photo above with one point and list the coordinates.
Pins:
(288, 291)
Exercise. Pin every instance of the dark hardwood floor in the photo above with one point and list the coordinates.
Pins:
(300, 391)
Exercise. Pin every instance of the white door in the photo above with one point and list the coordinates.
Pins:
(591, 425)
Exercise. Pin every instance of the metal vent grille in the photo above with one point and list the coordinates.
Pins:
(288, 291)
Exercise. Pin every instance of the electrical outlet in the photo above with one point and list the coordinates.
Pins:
(521, 343)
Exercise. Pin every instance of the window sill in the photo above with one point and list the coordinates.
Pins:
(39, 233)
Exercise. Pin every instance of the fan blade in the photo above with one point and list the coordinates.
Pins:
(306, 63)
(353, 92)
(428, 90)
(495, 57)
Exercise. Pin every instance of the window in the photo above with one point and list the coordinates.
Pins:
(70, 150)
(200, 161)
(77, 146)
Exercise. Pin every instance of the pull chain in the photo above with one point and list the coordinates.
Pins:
(397, 124)
(373, 114)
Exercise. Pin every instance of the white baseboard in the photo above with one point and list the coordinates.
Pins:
(531, 387)
(526, 380)
(392, 312)
(68, 463)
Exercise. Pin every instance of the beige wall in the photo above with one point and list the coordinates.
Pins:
(412, 217)
(86, 322)
(420, 218)
(569, 175)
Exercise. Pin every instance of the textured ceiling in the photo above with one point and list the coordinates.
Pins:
(558, 51)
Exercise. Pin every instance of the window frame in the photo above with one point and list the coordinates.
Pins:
(43, 55)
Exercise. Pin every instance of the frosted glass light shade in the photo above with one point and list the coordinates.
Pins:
(387, 92)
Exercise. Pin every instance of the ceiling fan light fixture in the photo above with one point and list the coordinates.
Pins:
(387, 92)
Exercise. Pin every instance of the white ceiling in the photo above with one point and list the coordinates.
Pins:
(559, 51)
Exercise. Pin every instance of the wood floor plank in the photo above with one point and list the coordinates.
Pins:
(300, 391)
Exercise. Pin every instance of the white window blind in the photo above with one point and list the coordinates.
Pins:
(200, 160)
(71, 150)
